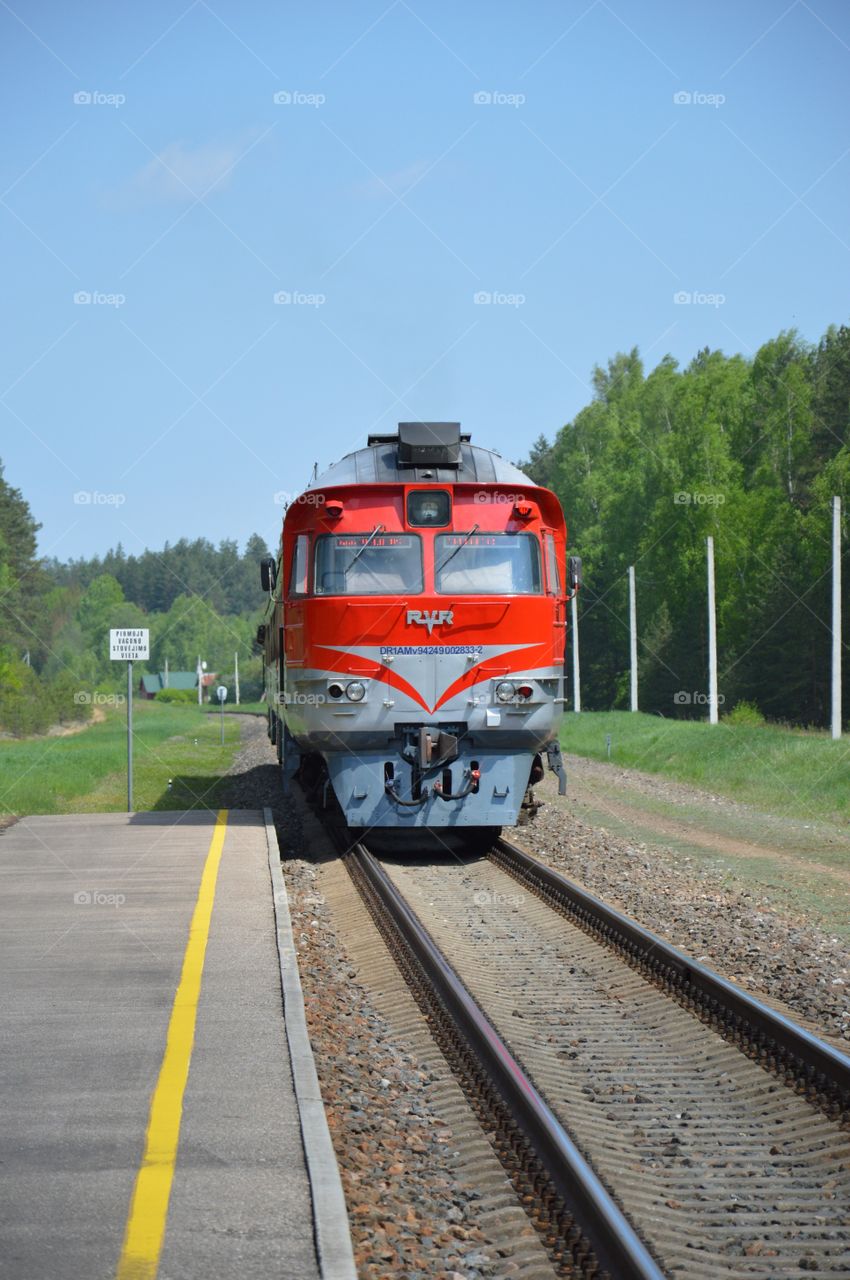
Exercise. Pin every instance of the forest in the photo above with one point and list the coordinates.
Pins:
(748, 449)
(196, 599)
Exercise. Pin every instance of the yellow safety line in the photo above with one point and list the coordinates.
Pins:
(148, 1213)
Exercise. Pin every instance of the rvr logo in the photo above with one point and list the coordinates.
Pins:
(430, 618)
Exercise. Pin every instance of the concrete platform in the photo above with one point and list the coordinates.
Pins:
(94, 923)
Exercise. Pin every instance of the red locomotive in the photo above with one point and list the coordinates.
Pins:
(415, 637)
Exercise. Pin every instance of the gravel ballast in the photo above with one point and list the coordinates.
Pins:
(708, 913)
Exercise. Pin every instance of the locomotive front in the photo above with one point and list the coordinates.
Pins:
(414, 645)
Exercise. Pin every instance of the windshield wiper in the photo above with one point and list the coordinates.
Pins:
(456, 549)
(379, 528)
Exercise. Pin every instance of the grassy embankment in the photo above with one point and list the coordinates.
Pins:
(86, 772)
(801, 773)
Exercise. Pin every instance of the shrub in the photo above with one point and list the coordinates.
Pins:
(68, 702)
(746, 714)
(250, 680)
(24, 701)
(176, 695)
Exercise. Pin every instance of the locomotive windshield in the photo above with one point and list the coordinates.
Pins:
(487, 564)
(368, 564)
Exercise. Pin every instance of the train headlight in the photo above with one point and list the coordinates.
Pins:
(335, 690)
(505, 690)
(355, 691)
(525, 691)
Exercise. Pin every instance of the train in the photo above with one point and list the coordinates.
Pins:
(414, 639)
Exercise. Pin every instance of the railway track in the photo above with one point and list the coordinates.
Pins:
(813, 1068)
(655, 1120)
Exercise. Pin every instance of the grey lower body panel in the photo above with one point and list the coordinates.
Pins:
(359, 783)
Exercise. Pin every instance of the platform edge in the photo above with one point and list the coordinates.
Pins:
(330, 1216)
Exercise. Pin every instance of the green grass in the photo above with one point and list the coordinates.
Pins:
(230, 708)
(87, 772)
(798, 772)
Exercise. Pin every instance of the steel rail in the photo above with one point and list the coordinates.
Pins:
(616, 1247)
(768, 1036)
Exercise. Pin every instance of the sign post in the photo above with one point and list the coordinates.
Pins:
(576, 672)
(836, 617)
(633, 667)
(712, 635)
(221, 694)
(129, 644)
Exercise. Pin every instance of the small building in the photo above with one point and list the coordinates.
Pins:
(150, 685)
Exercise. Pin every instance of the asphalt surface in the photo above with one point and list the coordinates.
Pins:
(94, 920)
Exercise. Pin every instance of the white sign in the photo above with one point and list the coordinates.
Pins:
(221, 692)
(129, 644)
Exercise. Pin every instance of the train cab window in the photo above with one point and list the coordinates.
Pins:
(298, 573)
(553, 576)
(487, 564)
(429, 509)
(368, 564)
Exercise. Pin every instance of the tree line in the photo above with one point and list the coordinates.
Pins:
(55, 618)
(226, 580)
(750, 450)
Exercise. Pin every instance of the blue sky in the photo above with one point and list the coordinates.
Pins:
(417, 157)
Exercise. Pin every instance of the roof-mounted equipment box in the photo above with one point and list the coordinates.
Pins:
(429, 444)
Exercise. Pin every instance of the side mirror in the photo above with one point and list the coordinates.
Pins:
(574, 572)
(261, 634)
(268, 573)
